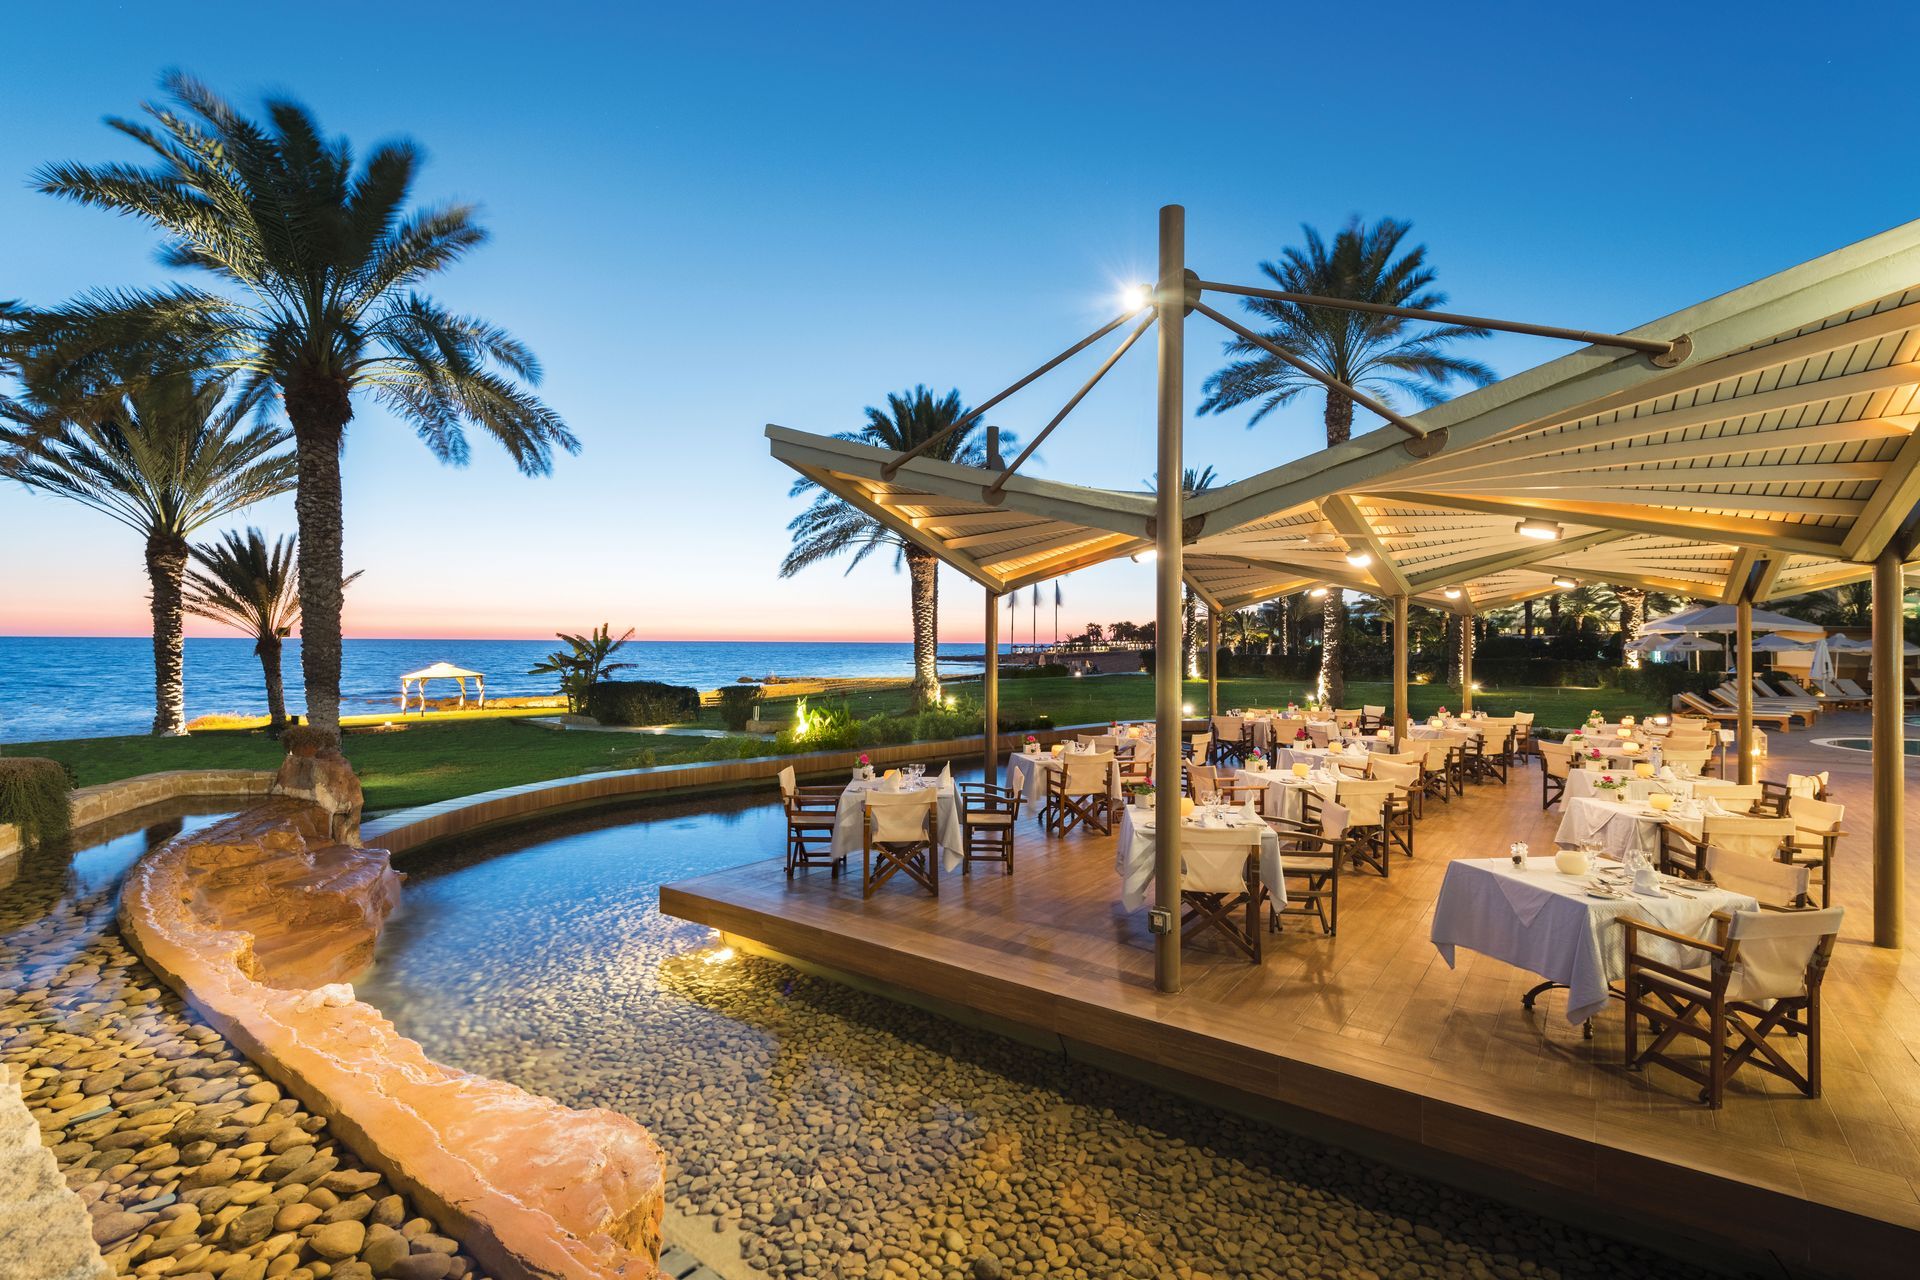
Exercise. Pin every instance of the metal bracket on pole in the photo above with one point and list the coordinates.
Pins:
(1678, 352)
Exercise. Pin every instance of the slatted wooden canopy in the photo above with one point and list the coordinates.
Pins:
(1780, 458)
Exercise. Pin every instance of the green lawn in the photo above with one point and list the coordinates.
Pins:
(440, 759)
(425, 762)
(1094, 699)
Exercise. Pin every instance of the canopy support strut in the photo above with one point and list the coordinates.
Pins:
(1169, 570)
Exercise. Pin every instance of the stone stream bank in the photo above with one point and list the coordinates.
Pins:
(190, 1163)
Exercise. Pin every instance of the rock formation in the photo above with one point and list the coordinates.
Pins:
(251, 918)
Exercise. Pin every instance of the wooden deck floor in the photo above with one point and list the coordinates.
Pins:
(1372, 1031)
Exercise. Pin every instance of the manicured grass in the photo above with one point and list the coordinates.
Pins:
(426, 762)
(440, 758)
(1093, 699)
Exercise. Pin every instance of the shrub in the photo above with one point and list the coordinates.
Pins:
(642, 702)
(36, 796)
(737, 702)
(1044, 670)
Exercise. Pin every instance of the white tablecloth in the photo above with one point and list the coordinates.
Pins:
(1617, 826)
(1544, 922)
(1134, 849)
(1584, 783)
(1034, 771)
(1284, 790)
(849, 822)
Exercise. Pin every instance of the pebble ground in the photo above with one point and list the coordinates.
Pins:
(848, 1136)
(191, 1163)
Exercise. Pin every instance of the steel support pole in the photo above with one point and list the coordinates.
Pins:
(1889, 751)
(1213, 664)
(1400, 705)
(1743, 654)
(990, 691)
(1170, 300)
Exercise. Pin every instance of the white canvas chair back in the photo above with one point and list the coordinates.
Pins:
(787, 785)
(1774, 949)
(1202, 778)
(899, 817)
(1806, 784)
(1320, 734)
(1086, 775)
(1334, 819)
(1227, 728)
(1780, 884)
(1734, 797)
(1368, 709)
(1201, 743)
(1556, 758)
(1402, 775)
(1814, 820)
(1213, 861)
(1760, 837)
(1686, 761)
(1523, 717)
(1286, 731)
(1364, 799)
(1102, 742)
(1436, 751)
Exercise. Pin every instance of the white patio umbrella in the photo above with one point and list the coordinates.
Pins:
(1821, 666)
(1780, 644)
(1847, 644)
(1691, 644)
(1724, 620)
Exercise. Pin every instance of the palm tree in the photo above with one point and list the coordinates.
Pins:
(316, 264)
(1378, 354)
(167, 458)
(830, 526)
(253, 588)
(1191, 482)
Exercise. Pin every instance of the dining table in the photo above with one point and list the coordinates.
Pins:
(1286, 791)
(1564, 928)
(1032, 770)
(850, 815)
(1135, 846)
(1617, 827)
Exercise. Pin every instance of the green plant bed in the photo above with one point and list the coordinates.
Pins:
(36, 795)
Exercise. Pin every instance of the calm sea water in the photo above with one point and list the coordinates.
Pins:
(94, 686)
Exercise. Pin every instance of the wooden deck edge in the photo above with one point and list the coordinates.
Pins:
(1474, 1143)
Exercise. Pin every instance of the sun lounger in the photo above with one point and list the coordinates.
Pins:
(1700, 706)
(1853, 690)
(1793, 689)
(1833, 695)
(1728, 698)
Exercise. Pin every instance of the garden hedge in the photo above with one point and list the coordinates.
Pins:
(36, 796)
(642, 702)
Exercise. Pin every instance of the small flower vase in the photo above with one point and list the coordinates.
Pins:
(1144, 799)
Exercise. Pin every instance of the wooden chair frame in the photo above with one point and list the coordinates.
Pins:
(1683, 1003)
(1311, 891)
(1092, 810)
(987, 841)
(917, 858)
(1204, 912)
(812, 812)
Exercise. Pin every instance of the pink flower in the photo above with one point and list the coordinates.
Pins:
(864, 759)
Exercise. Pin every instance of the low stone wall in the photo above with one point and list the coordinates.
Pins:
(111, 799)
(255, 918)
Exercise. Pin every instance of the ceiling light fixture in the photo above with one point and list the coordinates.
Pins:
(1359, 559)
(1453, 593)
(1545, 530)
(1146, 557)
(1565, 584)
(1317, 593)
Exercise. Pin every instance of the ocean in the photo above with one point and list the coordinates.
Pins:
(96, 686)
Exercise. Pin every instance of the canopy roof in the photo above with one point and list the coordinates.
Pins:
(1781, 457)
(442, 670)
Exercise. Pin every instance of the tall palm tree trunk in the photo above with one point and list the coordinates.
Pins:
(1332, 684)
(319, 409)
(924, 582)
(267, 649)
(1526, 619)
(166, 570)
(1633, 616)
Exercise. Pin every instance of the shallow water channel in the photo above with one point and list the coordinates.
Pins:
(845, 1135)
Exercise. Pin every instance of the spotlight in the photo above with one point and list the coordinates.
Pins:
(1146, 557)
(1186, 709)
(1359, 559)
(1136, 296)
(1452, 593)
(1544, 530)
(1565, 584)
(1317, 593)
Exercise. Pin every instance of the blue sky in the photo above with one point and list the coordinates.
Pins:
(707, 219)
